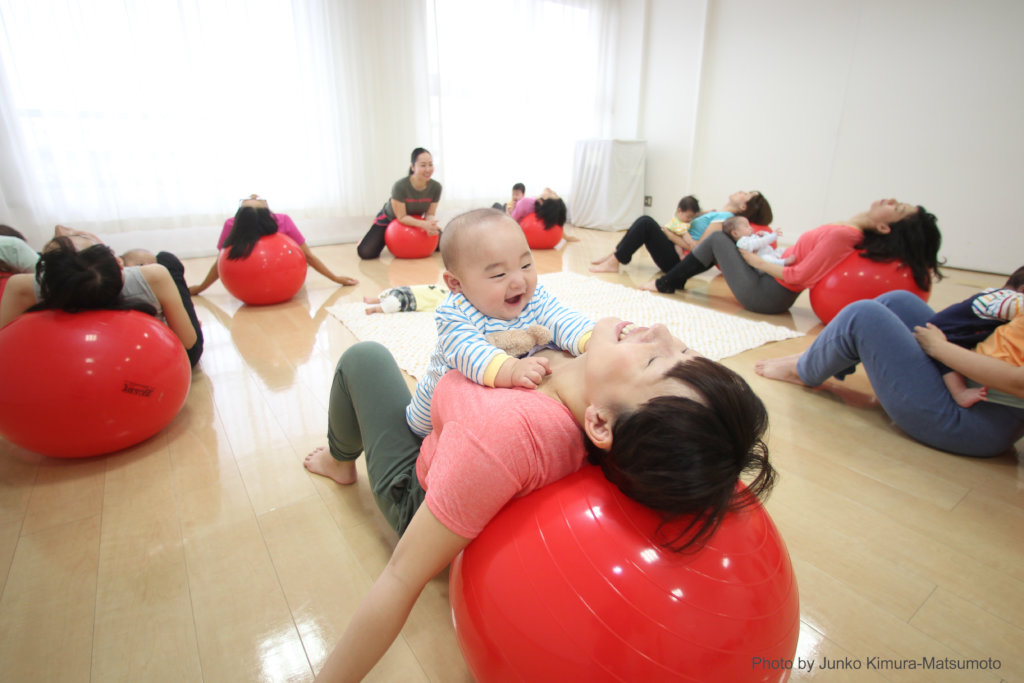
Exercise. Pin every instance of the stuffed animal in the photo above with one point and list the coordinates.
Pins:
(518, 343)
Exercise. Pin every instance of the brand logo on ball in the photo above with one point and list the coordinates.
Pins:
(137, 389)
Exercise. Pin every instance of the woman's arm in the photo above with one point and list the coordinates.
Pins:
(428, 223)
(319, 266)
(755, 261)
(210, 278)
(683, 241)
(712, 228)
(423, 551)
(990, 372)
(166, 292)
(19, 296)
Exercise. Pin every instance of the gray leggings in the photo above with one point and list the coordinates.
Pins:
(756, 291)
(367, 414)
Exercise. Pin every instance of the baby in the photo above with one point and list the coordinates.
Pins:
(738, 228)
(490, 273)
(970, 322)
(687, 209)
(406, 299)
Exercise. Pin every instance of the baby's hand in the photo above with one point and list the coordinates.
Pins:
(929, 337)
(789, 260)
(528, 372)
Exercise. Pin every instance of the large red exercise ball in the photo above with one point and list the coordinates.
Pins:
(82, 384)
(570, 583)
(272, 273)
(536, 236)
(406, 242)
(856, 278)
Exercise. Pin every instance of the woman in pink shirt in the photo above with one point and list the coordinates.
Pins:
(549, 207)
(254, 220)
(671, 429)
(888, 230)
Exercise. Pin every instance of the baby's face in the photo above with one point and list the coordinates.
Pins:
(685, 216)
(517, 195)
(495, 270)
(743, 229)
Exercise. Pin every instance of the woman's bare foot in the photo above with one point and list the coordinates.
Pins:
(374, 308)
(608, 264)
(783, 369)
(320, 462)
(649, 286)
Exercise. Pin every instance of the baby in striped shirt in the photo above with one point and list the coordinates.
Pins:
(492, 279)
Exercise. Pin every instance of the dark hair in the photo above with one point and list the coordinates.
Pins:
(251, 223)
(11, 232)
(415, 153)
(683, 458)
(551, 211)
(74, 281)
(520, 187)
(729, 226)
(1016, 280)
(758, 210)
(688, 203)
(914, 240)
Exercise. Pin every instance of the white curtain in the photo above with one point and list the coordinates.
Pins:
(515, 83)
(134, 115)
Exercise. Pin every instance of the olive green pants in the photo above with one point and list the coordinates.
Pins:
(367, 414)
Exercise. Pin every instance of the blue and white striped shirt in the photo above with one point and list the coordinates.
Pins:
(462, 346)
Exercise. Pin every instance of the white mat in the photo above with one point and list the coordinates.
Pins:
(411, 336)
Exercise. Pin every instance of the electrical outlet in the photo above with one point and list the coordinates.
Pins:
(648, 200)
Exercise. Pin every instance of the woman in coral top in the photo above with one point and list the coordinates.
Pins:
(671, 429)
(888, 230)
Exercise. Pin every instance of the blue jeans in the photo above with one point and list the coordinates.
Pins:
(878, 333)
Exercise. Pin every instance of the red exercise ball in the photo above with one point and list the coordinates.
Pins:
(82, 384)
(536, 236)
(856, 278)
(569, 583)
(272, 273)
(406, 242)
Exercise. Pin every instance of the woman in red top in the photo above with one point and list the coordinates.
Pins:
(889, 230)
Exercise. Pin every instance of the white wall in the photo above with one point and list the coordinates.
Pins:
(825, 105)
(674, 48)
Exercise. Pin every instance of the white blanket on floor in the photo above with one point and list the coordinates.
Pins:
(411, 336)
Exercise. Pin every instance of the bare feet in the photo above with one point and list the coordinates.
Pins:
(608, 264)
(969, 396)
(371, 300)
(373, 308)
(783, 369)
(320, 462)
(649, 286)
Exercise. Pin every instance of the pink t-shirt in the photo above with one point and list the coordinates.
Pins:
(816, 252)
(523, 208)
(285, 226)
(489, 446)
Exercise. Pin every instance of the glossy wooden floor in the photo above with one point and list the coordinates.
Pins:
(208, 553)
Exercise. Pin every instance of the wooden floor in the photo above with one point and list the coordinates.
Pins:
(209, 553)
